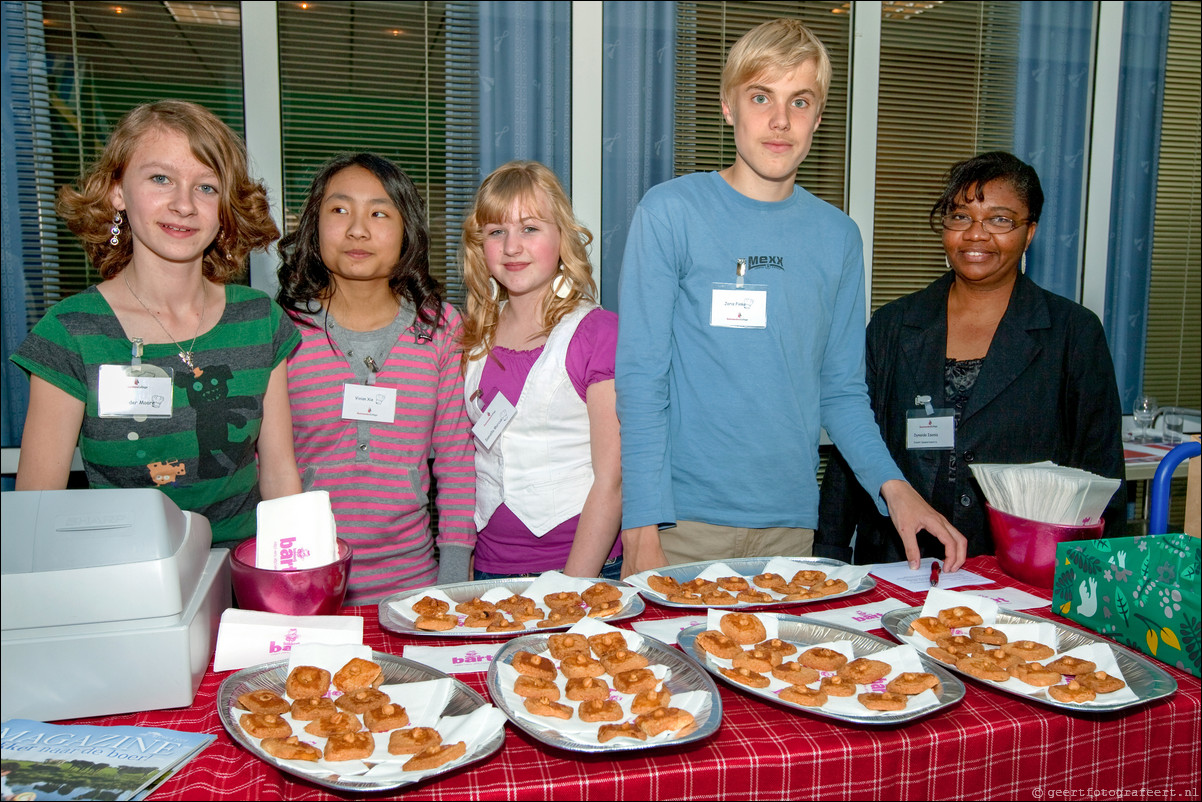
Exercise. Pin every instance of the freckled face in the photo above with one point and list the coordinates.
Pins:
(522, 252)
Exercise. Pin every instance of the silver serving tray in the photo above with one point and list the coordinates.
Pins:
(804, 632)
(393, 621)
(749, 567)
(685, 676)
(397, 670)
(1147, 681)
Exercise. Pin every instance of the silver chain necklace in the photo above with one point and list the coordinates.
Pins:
(184, 356)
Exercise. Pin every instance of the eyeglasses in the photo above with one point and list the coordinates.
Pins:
(992, 225)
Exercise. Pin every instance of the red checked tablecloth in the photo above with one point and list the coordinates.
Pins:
(990, 746)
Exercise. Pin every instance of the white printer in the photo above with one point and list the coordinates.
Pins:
(110, 602)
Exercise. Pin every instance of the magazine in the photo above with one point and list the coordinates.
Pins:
(52, 761)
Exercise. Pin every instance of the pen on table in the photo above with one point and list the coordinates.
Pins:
(934, 573)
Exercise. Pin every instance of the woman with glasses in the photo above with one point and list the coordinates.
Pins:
(981, 366)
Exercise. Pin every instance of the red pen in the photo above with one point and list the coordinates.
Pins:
(934, 573)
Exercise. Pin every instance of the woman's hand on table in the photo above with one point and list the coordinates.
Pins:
(641, 550)
(911, 514)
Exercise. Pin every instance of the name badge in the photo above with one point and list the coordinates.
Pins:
(134, 391)
(734, 307)
(931, 431)
(369, 402)
(494, 420)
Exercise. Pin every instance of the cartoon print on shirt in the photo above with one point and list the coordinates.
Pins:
(166, 473)
(216, 413)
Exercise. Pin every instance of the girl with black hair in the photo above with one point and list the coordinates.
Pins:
(375, 385)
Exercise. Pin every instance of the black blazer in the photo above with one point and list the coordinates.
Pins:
(1046, 391)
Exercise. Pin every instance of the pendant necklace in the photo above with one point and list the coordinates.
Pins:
(184, 356)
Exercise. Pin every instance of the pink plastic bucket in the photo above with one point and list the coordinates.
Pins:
(1026, 549)
(304, 591)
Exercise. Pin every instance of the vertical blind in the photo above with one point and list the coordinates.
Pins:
(705, 33)
(1173, 367)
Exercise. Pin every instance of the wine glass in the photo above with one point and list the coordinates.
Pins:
(1144, 412)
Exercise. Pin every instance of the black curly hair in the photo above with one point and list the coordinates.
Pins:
(969, 177)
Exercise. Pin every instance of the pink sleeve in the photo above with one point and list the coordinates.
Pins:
(590, 356)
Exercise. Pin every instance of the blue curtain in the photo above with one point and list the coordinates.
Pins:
(525, 53)
(24, 65)
(637, 122)
(1051, 128)
(1133, 204)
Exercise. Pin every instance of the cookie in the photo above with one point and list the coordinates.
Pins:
(561, 617)
(733, 583)
(312, 709)
(746, 677)
(830, 587)
(930, 627)
(884, 701)
(580, 664)
(263, 701)
(663, 584)
(265, 725)
(436, 623)
(865, 671)
(757, 660)
(436, 756)
(822, 658)
(664, 719)
(681, 597)
(808, 578)
(561, 645)
(562, 599)
(987, 635)
(960, 645)
(533, 665)
(584, 689)
(520, 608)
(485, 620)
(362, 700)
(428, 605)
(349, 746)
(982, 667)
(795, 673)
(533, 687)
(959, 617)
(337, 724)
(599, 710)
(307, 682)
(717, 598)
(413, 740)
(782, 648)
(635, 680)
(1035, 674)
(718, 644)
(1028, 650)
(912, 683)
(290, 748)
(620, 660)
(769, 581)
(743, 628)
(502, 624)
(754, 597)
(1071, 666)
(838, 686)
(600, 593)
(386, 717)
(944, 656)
(801, 695)
(607, 732)
(1073, 691)
(358, 673)
(545, 706)
(476, 606)
(646, 701)
(605, 609)
(606, 642)
(1101, 682)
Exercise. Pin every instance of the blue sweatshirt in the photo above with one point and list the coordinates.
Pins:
(721, 425)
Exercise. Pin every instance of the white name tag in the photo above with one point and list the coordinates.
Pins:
(739, 307)
(369, 402)
(931, 431)
(493, 421)
(134, 391)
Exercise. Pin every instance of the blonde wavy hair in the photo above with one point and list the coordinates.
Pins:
(244, 212)
(535, 189)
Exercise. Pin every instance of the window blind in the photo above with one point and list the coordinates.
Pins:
(1173, 365)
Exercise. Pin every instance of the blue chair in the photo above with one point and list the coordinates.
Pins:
(1158, 516)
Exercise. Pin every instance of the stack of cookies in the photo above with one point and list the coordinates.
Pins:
(518, 613)
(766, 588)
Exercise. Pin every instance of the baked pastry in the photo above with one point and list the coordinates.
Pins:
(620, 660)
(545, 706)
(1101, 682)
(337, 724)
(263, 701)
(312, 709)
(802, 594)
(746, 677)
(307, 682)
(1035, 674)
(436, 623)
(635, 680)
(663, 584)
(664, 719)
(912, 683)
(521, 608)
(930, 627)
(646, 701)
(1003, 658)
(362, 700)
(562, 644)
(757, 660)
(831, 587)
(944, 656)
(795, 673)
(501, 624)
(733, 583)
(607, 732)
(350, 746)
(769, 581)
(561, 617)
(1028, 650)
(436, 756)
(605, 609)
(585, 688)
(884, 701)
(837, 686)
(533, 665)
(476, 606)
(428, 605)
(358, 673)
(801, 695)
(822, 658)
(699, 585)
(386, 717)
(683, 597)
(782, 648)
(960, 645)
(265, 725)
(987, 635)
(580, 664)
(982, 667)
(960, 616)
(290, 748)
(865, 671)
(717, 643)
(743, 628)
(599, 593)
(717, 598)
(533, 687)
(1071, 666)
(485, 620)
(606, 642)
(599, 710)
(754, 597)
(563, 598)
(413, 740)
(1073, 691)
(808, 578)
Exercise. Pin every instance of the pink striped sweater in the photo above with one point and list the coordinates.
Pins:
(378, 475)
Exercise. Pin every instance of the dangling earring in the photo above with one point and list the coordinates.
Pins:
(494, 289)
(561, 285)
(116, 229)
(1023, 266)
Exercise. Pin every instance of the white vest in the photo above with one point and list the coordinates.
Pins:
(541, 465)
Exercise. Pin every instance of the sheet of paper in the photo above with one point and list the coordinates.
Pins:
(920, 581)
(865, 617)
(665, 630)
(466, 659)
(1011, 598)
